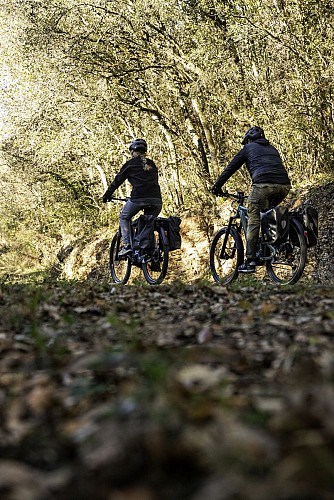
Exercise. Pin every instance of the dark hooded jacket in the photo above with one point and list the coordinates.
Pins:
(142, 175)
(262, 161)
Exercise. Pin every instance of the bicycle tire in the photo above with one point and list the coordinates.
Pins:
(224, 268)
(155, 269)
(120, 269)
(288, 265)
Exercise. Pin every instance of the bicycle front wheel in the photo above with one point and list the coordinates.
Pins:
(120, 267)
(226, 255)
(287, 265)
(155, 269)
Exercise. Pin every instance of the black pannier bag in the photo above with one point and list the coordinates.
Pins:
(144, 238)
(308, 217)
(173, 233)
(311, 225)
(275, 225)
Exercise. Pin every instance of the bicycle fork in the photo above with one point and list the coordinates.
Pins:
(223, 254)
(117, 246)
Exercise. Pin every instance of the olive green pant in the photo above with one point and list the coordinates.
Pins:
(262, 197)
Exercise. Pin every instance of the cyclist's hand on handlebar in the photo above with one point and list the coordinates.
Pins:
(107, 195)
(217, 190)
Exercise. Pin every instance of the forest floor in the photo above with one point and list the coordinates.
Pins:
(173, 392)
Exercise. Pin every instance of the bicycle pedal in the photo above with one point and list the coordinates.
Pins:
(119, 258)
(145, 259)
(125, 251)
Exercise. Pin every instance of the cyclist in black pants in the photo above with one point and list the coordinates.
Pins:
(270, 185)
(142, 174)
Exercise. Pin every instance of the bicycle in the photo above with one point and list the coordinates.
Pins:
(152, 262)
(284, 262)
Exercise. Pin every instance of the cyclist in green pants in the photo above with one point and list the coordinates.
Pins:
(270, 185)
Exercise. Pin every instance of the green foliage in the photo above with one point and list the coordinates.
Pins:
(81, 80)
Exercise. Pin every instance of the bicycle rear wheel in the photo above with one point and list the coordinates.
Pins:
(288, 263)
(155, 269)
(224, 264)
(120, 267)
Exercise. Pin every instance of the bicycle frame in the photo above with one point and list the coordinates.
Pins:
(135, 257)
(241, 214)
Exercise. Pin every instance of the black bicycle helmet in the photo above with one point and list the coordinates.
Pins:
(252, 134)
(138, 145)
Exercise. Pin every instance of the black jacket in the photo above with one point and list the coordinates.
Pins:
(262, 161)
(142, 175)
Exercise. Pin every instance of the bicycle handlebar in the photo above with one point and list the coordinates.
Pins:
(119, 199)
(240, 196)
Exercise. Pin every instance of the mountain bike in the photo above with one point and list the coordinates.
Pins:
(284, 262)
(153, 262)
